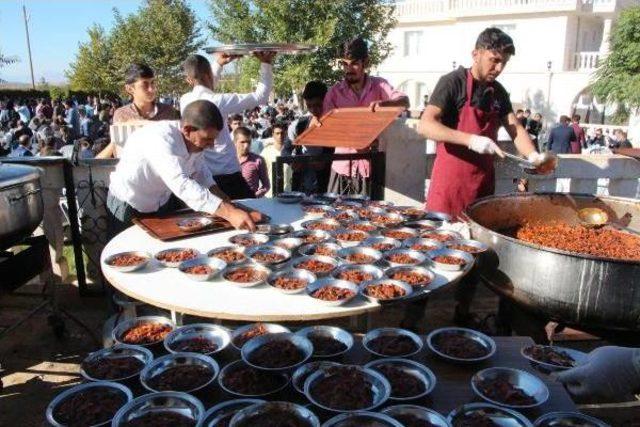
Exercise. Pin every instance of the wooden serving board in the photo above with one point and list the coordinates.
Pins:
(349, 127)
(165, 227)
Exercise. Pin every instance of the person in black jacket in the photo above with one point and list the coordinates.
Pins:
(561, 137)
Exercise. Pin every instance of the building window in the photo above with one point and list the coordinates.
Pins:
(412, 43)
(507, 28)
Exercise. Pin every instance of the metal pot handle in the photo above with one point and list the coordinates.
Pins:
(15, 199)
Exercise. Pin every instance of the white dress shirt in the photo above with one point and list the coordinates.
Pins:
(222, 158)
(155, 163)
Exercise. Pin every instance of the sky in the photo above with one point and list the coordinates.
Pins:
(55, 29)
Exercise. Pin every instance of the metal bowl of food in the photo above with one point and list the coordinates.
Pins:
(450, 259)
(289, 243)
(127, 262)
(392, 342)
(303, 372)
(328, 341)
(509, 387)
(568, 419)
(388, 219)
(118, 363)
(275, 413)
(248, 240)
(344, 216)
(319, 265)
(409, 415)
(144, 331)
(438, 216)
(472, 247)
(239, 379)
(348, 238)
(404, 257)
(361, 225)
(368, 212)
(173, 257)
(317, 211)
(359, 255)
(232, 255)
(422, 245)
(203, 338)
(165, 408)
(553, 358)
(440, 235)
(412, 213)
(399, 233)
(424, 224)
(461, 345)
(291, 281)
(202, 269)
(357, 273)
(274, 229)
(269, 255)
(290, 197)
(361, 419)
(332, 292)
(246, 276)
(360, 198)
(183, 372)
(385, 290)
(347, 205)
(381, 243)
(312, 236)
(324, 224)
(380, 203)
(325, 197)
(241, 335)
(220, 415)
(277, 352)
(409, 380)
(473, 414)
(329, 249)
(89, 404)
(347, 388)
(191, 225)
(417, 277)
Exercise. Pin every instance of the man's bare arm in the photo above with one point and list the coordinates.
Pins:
(431, 127)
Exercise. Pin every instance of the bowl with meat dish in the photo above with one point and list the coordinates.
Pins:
(347, 388)
(312, 236)
(409, 380)
(424, 225)
(329, 249)
(241, 335)
(553, 358)
(438, 216)
(269, 414)
(202, 269)
(358, 198)
(289, 243)
(246, 276)
(359, 255)
(362, 419)
(319, 265)
(357, 273)
(220, 415)
(347, 205)
(277, 352)
(418, 277)
(268, 255)
(392, 342)
(303, 372)
(512, 388)
(239, 379)
(416, 416)
(184, 372)
(404, 257)
(173, 257)
(127, 262)
(328, 341)
(317, 211)
(366, 226)
(192, 225)
(291, 281)
(440, 235)
(332, 292)
(368, 212)
(166, 408)
(380, 203)
(290, 197)
(399, 233)
(461, 345)
(568, 419)
(203, 338)
(232, 255)
(422, 245)
(381, 243)
(119, 363)
(274, 230)
(410, 212)
(385, 290)
(348, 238)
(324, 224)
(472, 247)
(89, 404)
(249, 240)
(388, 220)
(486, 415)
(450, 259)
(146, 331)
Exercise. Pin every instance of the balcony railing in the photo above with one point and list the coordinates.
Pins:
(585, 61)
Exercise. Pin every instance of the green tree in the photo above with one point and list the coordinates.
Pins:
(618, 78)
(93, 69)
(323, 23)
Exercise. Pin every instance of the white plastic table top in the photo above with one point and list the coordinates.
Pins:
(168, 288)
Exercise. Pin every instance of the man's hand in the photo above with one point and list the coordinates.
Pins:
(315, 122)
(238, 218)
(266, 57)
(374, 106)
(483, 145)
(535, 158)
(224, 58)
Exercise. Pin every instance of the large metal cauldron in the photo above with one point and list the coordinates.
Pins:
(596, 294)
(21, 206)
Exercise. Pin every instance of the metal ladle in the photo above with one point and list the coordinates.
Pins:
(597, 218)
(545, 166)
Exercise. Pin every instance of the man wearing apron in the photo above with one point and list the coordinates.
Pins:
(465, 111)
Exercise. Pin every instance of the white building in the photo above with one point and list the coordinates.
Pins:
(558, 46)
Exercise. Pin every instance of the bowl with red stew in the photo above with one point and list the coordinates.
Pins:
(121, 362)
(484, 414)
(269, 414)
(409, 379)
(512, 388)
(416, 416)
(472, 247)
(450, 260)
(127, 262)
(392, 342)
(247, 275)
(327, 341)
(145, 330)
(277, 352)
(461, 345)
(183, 372)
(173, 257)
(320, 265)
(241, 335)
(240, 379)
(385, 290)
(202, 269)
(291, 281)
(357, 273)
(203, 338)
(166, 408)
(89, 404)
(220, 415)
(333, 292)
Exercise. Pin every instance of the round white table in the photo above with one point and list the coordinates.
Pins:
(169, 289)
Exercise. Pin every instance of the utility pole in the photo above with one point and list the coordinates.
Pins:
(26, 29)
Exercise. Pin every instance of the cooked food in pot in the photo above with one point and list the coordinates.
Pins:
(146, 333)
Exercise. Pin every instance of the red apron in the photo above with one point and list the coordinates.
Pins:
(460, 175)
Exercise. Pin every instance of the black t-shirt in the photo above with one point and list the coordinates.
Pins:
(450, 95)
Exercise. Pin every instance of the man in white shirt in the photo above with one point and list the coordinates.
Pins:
(222, 158)
(164, 159)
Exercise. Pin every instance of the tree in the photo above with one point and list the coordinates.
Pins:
(618, 78)
(94, 70)
(323, 23)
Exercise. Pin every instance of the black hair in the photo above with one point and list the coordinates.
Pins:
(196, 67)
(576, 117)
(202, 114)
(280, 125)
(496, 39)
(314, 89)
(137, 71)
(237, 117)
(241, 130)
(355, 49)
(519, 110)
